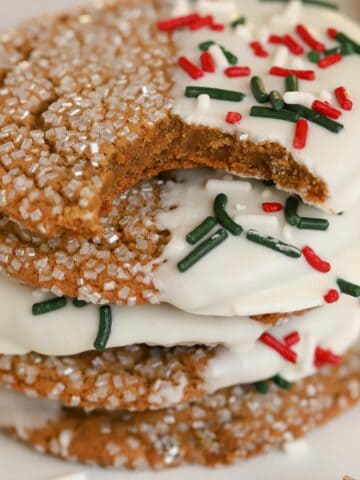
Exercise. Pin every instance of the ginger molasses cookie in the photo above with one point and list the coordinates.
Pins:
(153, 357)
(203, 241)
(222, 428)
(94, 100)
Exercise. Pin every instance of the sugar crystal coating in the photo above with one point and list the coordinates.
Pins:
(131, 378)
(86, 111)
(114, 266)
(74, 89)
(233, 424)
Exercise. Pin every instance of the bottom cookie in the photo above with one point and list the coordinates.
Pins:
(233, 424)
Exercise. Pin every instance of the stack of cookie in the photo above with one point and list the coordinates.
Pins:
(179, 230)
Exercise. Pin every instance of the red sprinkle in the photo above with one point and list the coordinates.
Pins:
(292, 339)
(332, 32)
(270, 207)
(237, 71)
(301, 134)
(289, 42)
(190, 68)
(330, 60)
(201, 22)
(316, 262)
(279, 347)
(177, 22)
(276, 39)
(217, 27)
(301, 74)
(258, 49)
(343, 98)
(293, 45)
(326, 109)
(331, 296)
(207, 62)
(307, 37)
(233, 117)
(323, 357)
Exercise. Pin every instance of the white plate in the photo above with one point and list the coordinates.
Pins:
(333, 451)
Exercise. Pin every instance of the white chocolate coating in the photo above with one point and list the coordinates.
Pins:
(240, 277)
(73, 330)
(242, 360)
(329, 156)
(334, 327)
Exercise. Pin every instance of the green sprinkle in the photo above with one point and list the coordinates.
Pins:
(238, 21)
(79, 303)
(319, 3)
(292, 83)
(330, 51)
(223, 218)
(266, 112)
(216, 93)
(276, 100)
(268, 183)
(349, 288)
(315, 117)
(303, 223)
(281, 382)
(307, 223)
(262, 387)
(343, 38)
(201, 231)
(290, 211)
(258, 89)
(314, 57)
(48, 306)
(230, 57)
(204, 46)
(104, 331)
(274, 244)
(345, 49)
(202, 249)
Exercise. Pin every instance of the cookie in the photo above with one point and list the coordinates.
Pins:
(236, 423)
(130, 378)
(97, 99)
(143, 255)
(208, 354)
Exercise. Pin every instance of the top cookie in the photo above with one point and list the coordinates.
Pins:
(93, 101)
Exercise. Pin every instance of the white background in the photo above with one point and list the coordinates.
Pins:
(333, 451)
